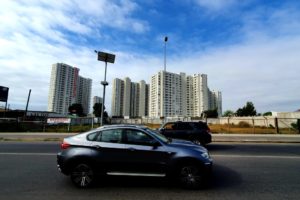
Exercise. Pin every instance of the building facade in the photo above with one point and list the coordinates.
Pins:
(97, 99)
(167, 96)
(129, 99)
(67, 88)
(216, 101)
(178, 95)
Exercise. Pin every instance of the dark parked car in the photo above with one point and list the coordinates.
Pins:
(197, 132)
(129, 150)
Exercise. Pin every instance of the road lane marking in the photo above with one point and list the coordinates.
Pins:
(28, 154)
(256, 156)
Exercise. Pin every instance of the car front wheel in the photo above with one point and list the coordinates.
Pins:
(190, 177)
(82, 175)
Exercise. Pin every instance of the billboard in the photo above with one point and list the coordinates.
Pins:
(58, 120)
(3, 93)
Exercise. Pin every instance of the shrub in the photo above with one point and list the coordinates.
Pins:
(244, 124)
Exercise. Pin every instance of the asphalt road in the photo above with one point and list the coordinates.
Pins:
(241, 171)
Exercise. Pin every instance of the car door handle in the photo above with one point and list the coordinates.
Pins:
(97, 147)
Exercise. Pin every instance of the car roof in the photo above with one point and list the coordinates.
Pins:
(123, 126)
(186, 122)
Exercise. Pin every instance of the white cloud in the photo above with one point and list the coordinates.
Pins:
(265, 72)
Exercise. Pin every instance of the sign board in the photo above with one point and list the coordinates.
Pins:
(3, 93)
(59, 120)
(106, 57)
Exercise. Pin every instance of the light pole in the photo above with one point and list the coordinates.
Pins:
(105, 57)
(166, 40)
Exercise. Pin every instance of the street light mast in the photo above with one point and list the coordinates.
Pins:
(105, 57)
(165, 66)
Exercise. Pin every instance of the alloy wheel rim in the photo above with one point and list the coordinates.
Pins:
(190, 176)
(82, 175)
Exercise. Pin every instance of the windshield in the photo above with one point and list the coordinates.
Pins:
(158, 135)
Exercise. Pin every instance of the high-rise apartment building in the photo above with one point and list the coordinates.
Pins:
(174, 95)
(216, 101)
(167, 96)
(200, 94)
(117, 97)
(67, 88)
(129, 98)
(97, 99)
(84, 93)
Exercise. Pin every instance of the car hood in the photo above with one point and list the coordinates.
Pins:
(185, 143)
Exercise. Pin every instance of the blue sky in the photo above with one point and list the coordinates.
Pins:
(249, 49)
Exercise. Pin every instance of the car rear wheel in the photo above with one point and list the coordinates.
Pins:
(190, 177)
(82, 175)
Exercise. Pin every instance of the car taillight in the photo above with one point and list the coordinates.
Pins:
(64, 145)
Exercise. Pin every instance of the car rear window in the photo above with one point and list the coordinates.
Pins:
(201, 125)
(92, 136)
(112, 136)
(169, 126)
(184, 126)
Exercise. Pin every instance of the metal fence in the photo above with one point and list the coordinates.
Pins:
(253, 125)
(73, 125)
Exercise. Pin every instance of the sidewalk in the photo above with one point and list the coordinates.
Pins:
(220, 137)
(263, 138)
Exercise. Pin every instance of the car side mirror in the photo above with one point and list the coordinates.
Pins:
(155, 144)
(161, 129)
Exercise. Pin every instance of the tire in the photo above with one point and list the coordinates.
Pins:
(190, 176)
(82, 175)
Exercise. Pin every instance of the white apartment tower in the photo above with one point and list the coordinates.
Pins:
(129, 99)
(200, 94)
(216, 101)
(178, 95)
(97, 99)
(84, 93)
(117, 97)
(126, 97)
(67, 88)
(167, 96)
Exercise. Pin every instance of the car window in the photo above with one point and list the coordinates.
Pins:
(92, 136)
(201, 125)
(138, 137)
(184, 126)
(169, 126)
(112, 136)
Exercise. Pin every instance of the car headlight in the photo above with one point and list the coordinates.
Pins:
(205, 155)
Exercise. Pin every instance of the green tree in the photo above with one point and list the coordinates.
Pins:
(267, 114)
(228, 113)
(76, 109)
(247, 110)
(97, 109)
(211, 113)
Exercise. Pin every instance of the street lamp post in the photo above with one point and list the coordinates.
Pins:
(165, 52)
(105, 57)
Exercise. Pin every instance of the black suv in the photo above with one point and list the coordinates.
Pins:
(128, 150)
(197, 132)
